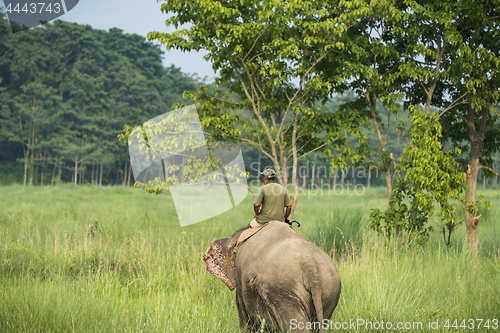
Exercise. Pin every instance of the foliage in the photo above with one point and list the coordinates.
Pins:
(259, 49)
(430, 175)
(65, 92)
(372, 66)
(474, 62)
(441, 54)
(172, 150)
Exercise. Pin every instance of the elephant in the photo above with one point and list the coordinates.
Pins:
(283, 281)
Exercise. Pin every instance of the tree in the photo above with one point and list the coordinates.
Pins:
(259, 49)
(76, 86)
(371, 63)
(33, 119)
(5, 35)
(451, 51)
(30, 101)
(423, 33)
(473, 124)
(429, 176)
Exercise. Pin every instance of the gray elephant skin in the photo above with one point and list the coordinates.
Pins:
(283, 281)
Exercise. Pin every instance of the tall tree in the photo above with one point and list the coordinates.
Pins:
(450, 62)
(5, 36)
(29, 98)
(371, 65)
(474, 81)
(82, 85)
(267, 53)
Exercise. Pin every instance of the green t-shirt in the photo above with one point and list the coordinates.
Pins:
(273, 198)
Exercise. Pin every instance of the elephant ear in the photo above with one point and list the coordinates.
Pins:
(220, 260)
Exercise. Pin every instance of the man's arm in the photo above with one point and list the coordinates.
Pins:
(256, 208)
(288, 211)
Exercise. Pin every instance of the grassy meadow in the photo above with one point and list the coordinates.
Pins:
(141, 272)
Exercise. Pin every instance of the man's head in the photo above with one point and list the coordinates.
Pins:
(268, 175)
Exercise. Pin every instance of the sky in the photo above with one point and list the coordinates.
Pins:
(138, 17)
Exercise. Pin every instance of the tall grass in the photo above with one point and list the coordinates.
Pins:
(336, 230)
(141, 272)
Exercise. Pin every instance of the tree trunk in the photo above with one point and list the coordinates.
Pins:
(76, 171)
(165, 170)
(471, 223)
(31, 168)
(130, 171)
(31, 162)
(25, 172)
(100, 176)
(41, 179)
(92, 175)
(369, 177)
(304, 179)
(294, 168)
(388, 181)
(183, 177)
(53, 174)
(334, 180)
(259, 163)
(476, 142)
(313, 170)
(125, 169)
(386, 163)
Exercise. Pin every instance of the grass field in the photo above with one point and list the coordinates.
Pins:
(141, 272)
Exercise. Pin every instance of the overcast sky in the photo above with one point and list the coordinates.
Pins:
(139, 17)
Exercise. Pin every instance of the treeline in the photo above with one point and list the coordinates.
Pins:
(66, 90)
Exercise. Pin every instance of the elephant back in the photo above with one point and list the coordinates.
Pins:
(281, 275)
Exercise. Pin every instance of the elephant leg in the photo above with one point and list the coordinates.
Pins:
(275, 314)
(294, 321)
(242, 312)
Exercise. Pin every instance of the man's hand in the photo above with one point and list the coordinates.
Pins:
(256, 209)
(288, 210)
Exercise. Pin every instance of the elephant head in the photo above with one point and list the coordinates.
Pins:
(281, 278)
(220, 259)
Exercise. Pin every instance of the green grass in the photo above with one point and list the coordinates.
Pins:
(142, 272)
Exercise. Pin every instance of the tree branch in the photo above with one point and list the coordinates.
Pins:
(453, 104)
(484, 167)
(312, 151)
(493, 128)
(254, 43)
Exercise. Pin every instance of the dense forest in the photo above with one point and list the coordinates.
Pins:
(66, 90)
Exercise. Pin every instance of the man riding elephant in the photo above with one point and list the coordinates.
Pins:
(272, 202)
(283, 281)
